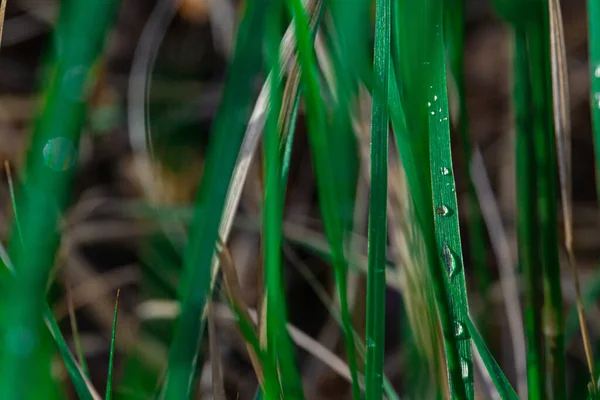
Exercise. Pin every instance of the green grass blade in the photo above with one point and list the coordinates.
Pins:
(445, 206)
(13, 200)
(504, 388)
(111, 358)
(526, 219)
(420, 75)
(455, 41)
(80, 31)
(279, 345)
(545, 159)
(376, 286)
(82, 385)
(594, 60)
(330, 191)
(226, 137)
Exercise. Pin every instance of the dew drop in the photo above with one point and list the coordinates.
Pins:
(59, 154)
(597, 71)
(428, 104)
(445, 171)
(460, 332)
(370, 343)
(442, 210)
(434, 98)
(465, 369)
(449, 260)
(433, 113)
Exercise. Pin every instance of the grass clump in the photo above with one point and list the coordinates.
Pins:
(344, 76)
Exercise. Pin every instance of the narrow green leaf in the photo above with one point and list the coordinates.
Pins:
(424, 146)
(328, 185)
(538, 41)
(83, 387)
(504, 388)
(455, 40)
(376, 286)
(594, 60)
(50, 168)
(526, 219)
(111, 358)
(279, 345)
(226, 137)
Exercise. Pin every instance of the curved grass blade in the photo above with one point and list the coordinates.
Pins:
(49, 169)
(226, 138)
(375, 333)
(504, 388)
(323, 154)
(111, 359)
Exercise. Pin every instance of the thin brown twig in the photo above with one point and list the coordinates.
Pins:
(2, 14)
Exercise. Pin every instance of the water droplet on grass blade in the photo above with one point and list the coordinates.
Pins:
(59, 154)
(370, 343)
(460, 332)
(442, 210)
(449, 260)
(465, 369)
(445, 171)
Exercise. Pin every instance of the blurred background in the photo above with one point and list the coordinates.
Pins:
(112, 237)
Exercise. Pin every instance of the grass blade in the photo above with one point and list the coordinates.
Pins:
(78, 375)
(538, 40)
(226, 138)
(111, 358)
(13, 200)
(50, 168)
(425, 136)
(331, 192)
(279, 346)
(83, 387)
(594, 60)
(455, 41)
(526, 219)
(505, 391)
(562, 127)
(378, 206)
